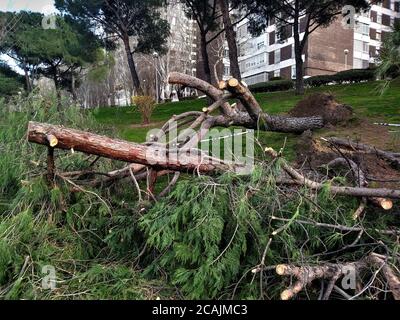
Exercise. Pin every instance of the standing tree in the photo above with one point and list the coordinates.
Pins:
(213, 18)
(205, 13)
(230, 36)
(59, 54)
(309, 14)
(123, 19)
(16, 43)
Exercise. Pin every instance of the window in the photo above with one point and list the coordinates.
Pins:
(365, 47)
(277, 56)
(362, 28)
(277, 73)
(294, 72)
(360, 64)
(242, 31)
(226, 53)
(227, 71)
(262, 77)
(255, 62)
(272, 38)
(357, 64)
(361, 46)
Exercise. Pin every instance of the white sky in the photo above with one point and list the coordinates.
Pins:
(44, 6)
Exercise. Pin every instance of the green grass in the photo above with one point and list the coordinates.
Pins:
(366, 99)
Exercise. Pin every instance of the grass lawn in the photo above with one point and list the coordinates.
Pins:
(365, 98)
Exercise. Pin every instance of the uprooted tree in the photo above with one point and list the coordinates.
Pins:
(158, 157)
(181, 155)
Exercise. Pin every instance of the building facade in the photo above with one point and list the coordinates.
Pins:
(328, 51)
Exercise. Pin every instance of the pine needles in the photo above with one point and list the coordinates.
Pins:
(210, 238)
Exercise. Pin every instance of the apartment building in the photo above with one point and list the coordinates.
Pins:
(180, 56)
(329, 50)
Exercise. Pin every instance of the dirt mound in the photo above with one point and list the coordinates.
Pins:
(324, 105)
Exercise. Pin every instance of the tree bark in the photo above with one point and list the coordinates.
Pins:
(58, 90)
(28, 82)
(231, 39)
(132, 67)
(153, 156)
(234, 117)
(298, 50)
(73, 88)
(204, 56)
(266, 122)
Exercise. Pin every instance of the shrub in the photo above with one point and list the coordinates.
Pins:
(318, 81)
(355, 76)
(276, 78)
(145, 105)
(352, 76)
(272, 86)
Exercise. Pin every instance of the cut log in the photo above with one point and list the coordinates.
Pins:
(247, 99)
(267, 122)
(152, 156)
(203, 86)
(53, 141)
(361, 181)
(254, 117)
(306, 274)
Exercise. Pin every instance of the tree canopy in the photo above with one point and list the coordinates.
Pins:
(10, 81)
(122, 20)
(389, 55)
(54, 53)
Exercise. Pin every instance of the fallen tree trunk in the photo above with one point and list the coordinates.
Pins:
(186, 160)
(255, 117)
(152, 156)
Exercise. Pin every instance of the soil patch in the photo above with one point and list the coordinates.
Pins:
(313, 154)
(325, 106)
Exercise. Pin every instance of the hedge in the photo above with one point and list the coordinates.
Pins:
(352, 76)
(272, 86)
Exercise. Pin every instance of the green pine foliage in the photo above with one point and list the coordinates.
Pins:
(206, 240)
(89, 237)
(211, 233)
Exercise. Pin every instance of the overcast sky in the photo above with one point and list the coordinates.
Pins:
(44, 6)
